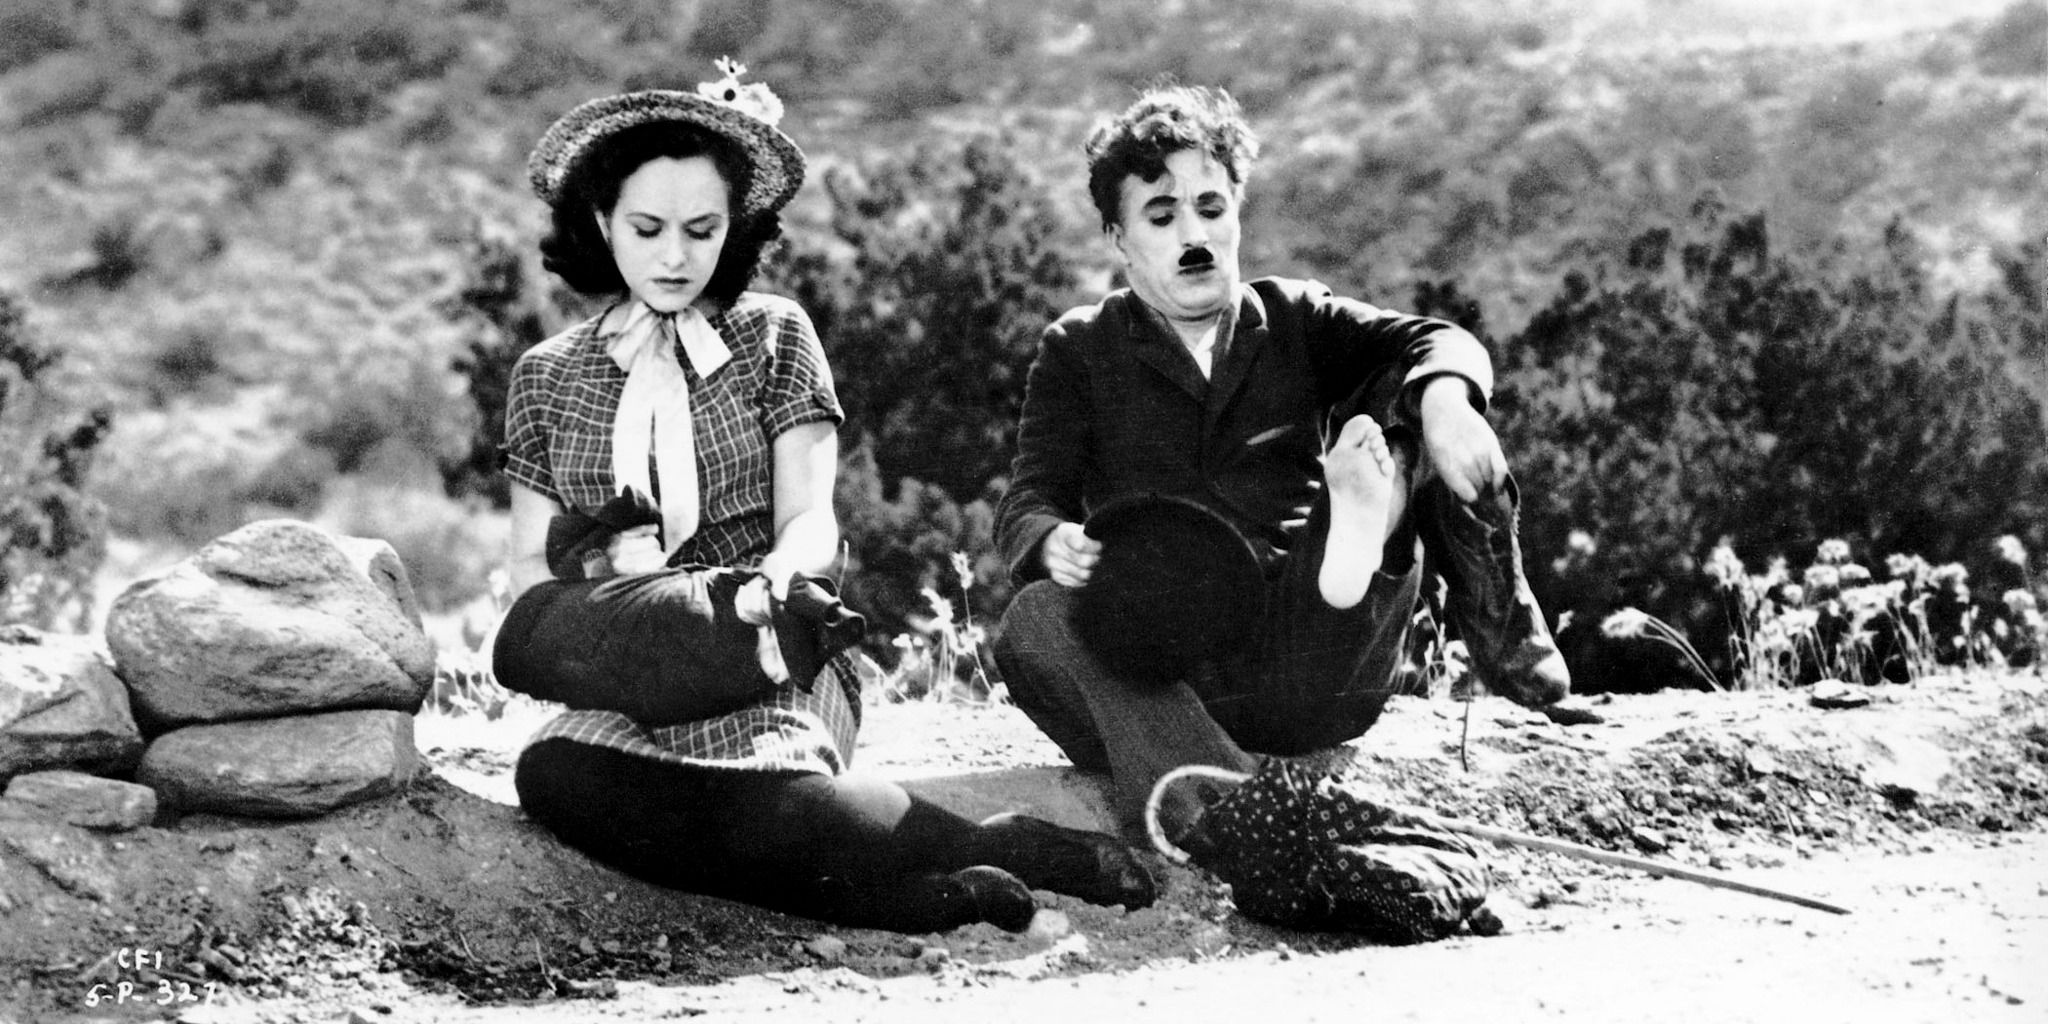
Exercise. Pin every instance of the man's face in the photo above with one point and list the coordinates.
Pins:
(1177, 237)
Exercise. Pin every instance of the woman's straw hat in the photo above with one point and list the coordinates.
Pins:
(745, 114)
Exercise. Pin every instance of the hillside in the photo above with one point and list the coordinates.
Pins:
(248, 220)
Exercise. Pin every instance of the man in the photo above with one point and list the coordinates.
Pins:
(1330, 434)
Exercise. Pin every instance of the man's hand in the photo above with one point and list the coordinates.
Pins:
(1069, 555)
(1461, 444)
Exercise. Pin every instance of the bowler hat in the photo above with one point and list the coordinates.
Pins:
(1176, 585)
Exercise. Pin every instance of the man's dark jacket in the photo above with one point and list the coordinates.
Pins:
(1116, 406)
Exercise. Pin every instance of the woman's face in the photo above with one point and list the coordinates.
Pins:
(667, 230)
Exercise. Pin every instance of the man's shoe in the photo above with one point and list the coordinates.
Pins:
(1490, 605)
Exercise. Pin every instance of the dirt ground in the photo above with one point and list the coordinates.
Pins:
(1922, 813)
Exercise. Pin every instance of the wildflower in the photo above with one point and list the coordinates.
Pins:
(1793, 594)
(1777, 571)
(963, 567)
(1854, 575)
(1866, 600)
(1800, 621)
(2020, 602)
(1823, 578)
(1951, 575)
(2009, 549)
(942, 609)
(1725, 567)
(1833, 551)
(1626, 624)
(1579, 548)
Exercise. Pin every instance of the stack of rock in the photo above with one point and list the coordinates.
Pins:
(274, 673)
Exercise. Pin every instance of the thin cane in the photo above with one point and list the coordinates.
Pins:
(1177, 855)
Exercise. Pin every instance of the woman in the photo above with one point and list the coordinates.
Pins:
(710, 409)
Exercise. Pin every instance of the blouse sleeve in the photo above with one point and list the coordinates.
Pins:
(527, 424)
(799, 386)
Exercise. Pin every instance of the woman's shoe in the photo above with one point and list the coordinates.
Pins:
(1091, 866)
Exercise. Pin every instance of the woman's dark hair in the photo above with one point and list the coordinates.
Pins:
(576, 251)
(1164, 121)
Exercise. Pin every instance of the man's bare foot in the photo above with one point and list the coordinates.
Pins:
(1359, 471)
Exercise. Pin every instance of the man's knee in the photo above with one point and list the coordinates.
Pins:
(1037, 625)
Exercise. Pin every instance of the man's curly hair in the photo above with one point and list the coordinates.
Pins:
(576, 251)
(1164, 121)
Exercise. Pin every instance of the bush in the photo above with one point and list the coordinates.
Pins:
(1707, 387)
(27, 33)
(53, 534)
(505, 315)
(2016, 42)
(958, 263)
(904, 547)
(119, 251)
(449, 547)
(333, 62)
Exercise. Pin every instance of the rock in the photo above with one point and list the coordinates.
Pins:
(75, 859)
(276, 618)
(1836, 694)
(285, 767)
(828, 948)
(1649, 840)
(87, 801)
(1760, 761)
(61, 706)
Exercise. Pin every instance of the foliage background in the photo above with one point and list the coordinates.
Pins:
(1769, 272)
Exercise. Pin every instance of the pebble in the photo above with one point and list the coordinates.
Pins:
(1835, 694)
(1048, 926)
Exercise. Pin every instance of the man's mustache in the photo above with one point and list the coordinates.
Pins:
(1196, 257)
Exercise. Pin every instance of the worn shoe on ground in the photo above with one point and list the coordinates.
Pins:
(1489, 604)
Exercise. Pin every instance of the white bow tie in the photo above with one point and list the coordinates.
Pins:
(653, 420)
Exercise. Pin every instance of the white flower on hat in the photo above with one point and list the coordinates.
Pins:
(753, 99)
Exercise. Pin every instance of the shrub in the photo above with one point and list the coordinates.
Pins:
(957, 264)
(57, 89)
(504, 314)
(28, 33)
(118, 252)
(373, 403)
(449, 547)
(1705, 386)
(2016, 42)
(333, 62)
(903, 547)
(53, 533)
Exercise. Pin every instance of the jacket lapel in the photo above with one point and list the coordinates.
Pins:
(1246, 342)
(1156, 347)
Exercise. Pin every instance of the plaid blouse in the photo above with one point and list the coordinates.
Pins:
(565, 392)
(558, 440)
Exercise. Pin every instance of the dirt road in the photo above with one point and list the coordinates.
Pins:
(1921, 812)
(1956, 935)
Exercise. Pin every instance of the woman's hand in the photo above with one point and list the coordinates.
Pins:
(635, 550)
